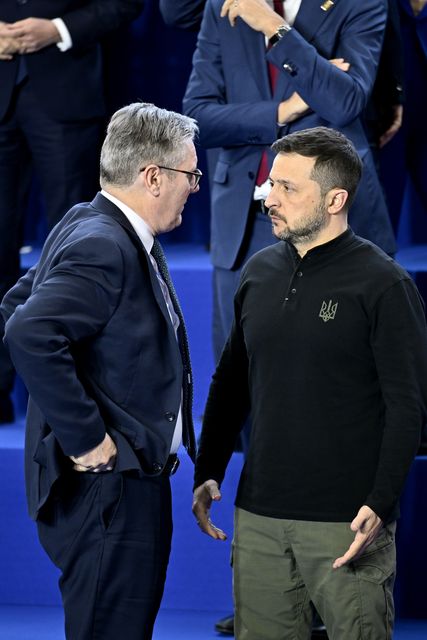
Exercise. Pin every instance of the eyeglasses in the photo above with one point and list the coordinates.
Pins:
(193, 176)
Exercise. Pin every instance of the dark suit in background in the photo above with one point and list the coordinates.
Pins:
(411, 157)
(109, 378)
(51, 109)
(230, 97)
(383, 114)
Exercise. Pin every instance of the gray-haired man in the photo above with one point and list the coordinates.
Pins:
(96, 332)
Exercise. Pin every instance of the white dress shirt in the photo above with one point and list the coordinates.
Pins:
(290, 10)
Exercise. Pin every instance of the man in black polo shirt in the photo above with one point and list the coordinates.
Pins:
(328, 352)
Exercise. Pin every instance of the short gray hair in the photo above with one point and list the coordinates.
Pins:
(141, 134)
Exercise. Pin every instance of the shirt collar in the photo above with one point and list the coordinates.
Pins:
(141, 228)
(324, 249)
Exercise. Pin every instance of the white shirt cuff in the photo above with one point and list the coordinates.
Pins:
(66, 42)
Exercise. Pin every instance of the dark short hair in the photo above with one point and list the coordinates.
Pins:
(337, 164)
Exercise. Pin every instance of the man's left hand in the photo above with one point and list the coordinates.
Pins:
(256, 13)
(367, 526)
(394, 127)
(34, 34)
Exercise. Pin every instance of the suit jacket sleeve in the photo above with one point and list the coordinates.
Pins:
(69, 306)
(337, 96)
(390, 79)
(97, 18)
(223, 123)
(18, 294)
(186, 14)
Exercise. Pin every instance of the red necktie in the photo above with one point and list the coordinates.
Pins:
(273, 73)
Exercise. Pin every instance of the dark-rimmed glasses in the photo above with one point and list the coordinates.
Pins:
(193, 176)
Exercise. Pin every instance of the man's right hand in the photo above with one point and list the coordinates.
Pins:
(202, 500)
(101, 458)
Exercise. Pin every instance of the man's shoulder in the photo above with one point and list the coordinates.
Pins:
(86, 230)
(272, 255)
(377, 264)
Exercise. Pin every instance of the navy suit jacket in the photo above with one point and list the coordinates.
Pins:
(68, 85)
(89, 332)
(230, 97)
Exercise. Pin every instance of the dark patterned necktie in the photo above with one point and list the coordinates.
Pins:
(188, 436)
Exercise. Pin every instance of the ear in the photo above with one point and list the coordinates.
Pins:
(336, 200)
(152, 178)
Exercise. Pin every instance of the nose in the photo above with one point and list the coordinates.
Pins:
(268, 201)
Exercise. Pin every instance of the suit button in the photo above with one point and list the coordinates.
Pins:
(170, 417)
(299, 274)
(293, 290)
(22, 1)
(157, 467)
(251, 175)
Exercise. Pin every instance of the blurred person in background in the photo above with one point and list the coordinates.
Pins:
(51, 111)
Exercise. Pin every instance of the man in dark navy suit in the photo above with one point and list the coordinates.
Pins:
(96, 332)
(244, 93)
(51, 109)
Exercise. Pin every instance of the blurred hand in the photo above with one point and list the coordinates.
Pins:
(101, 458)
(367, 526)
(340, 63)
(256, 13)
(202, 501)
(34, 34)
(418, 6)
(8, 47)
(394, 127)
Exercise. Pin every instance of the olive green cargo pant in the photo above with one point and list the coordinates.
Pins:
(281, 566)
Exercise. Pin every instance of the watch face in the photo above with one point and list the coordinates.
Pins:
(284, 28)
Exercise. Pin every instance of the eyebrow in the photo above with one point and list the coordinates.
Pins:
(283, 182)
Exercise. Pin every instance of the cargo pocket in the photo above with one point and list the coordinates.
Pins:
(375, 572)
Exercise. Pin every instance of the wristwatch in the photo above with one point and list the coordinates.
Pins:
(284, 28)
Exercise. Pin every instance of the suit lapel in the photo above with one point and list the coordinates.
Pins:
(308, 21)
(311, 15)
(102, 204)
(254, 46)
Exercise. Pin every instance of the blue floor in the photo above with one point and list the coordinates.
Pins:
(45, 623)
(28, 580)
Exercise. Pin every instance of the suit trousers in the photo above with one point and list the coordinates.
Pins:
(110, 536)
(65, 159)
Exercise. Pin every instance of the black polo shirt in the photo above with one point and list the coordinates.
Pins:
(329, 355)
